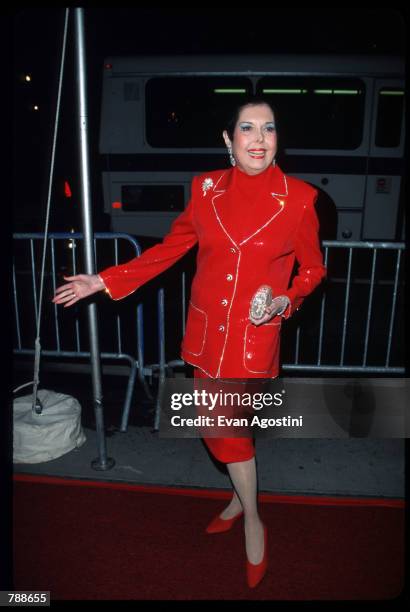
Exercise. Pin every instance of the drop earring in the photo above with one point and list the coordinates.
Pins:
(274, 162)
(231, 157)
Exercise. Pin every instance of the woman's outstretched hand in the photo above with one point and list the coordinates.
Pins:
(276, 307)
(78, 287)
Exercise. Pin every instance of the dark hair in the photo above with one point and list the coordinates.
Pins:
(249, 101)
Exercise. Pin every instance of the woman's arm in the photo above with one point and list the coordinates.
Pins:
(310, 272)
(126, 278)
(309, 256)
(122, 280)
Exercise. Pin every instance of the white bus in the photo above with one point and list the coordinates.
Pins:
(340, 122)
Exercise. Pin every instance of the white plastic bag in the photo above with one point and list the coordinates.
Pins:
(51, 434)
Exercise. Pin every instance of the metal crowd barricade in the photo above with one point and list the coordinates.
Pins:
(135, 360)
(364, 368)
(318, 314)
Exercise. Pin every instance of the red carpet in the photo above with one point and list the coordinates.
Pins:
(102, 540)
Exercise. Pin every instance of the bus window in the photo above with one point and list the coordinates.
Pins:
(316, 113)
(191, 111)
(142, 198)
(389, 117)
(340, 123)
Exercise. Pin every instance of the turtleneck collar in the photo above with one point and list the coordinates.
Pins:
(243, 176)
(250, 184)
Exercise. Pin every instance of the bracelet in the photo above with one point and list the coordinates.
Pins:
(281, 312)
(105, 288)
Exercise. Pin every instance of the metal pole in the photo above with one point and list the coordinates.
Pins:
(102, 462)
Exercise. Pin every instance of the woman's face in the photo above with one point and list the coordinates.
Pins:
(254, 140)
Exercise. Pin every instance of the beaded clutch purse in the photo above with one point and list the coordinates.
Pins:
(262, 298)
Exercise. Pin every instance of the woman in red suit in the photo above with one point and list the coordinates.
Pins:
(250, 223)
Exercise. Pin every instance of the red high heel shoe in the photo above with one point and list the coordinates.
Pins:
(255, 573)
(218, 524)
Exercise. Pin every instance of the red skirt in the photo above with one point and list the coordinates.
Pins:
(228, 450)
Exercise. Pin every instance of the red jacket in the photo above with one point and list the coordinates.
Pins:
(219, 338)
